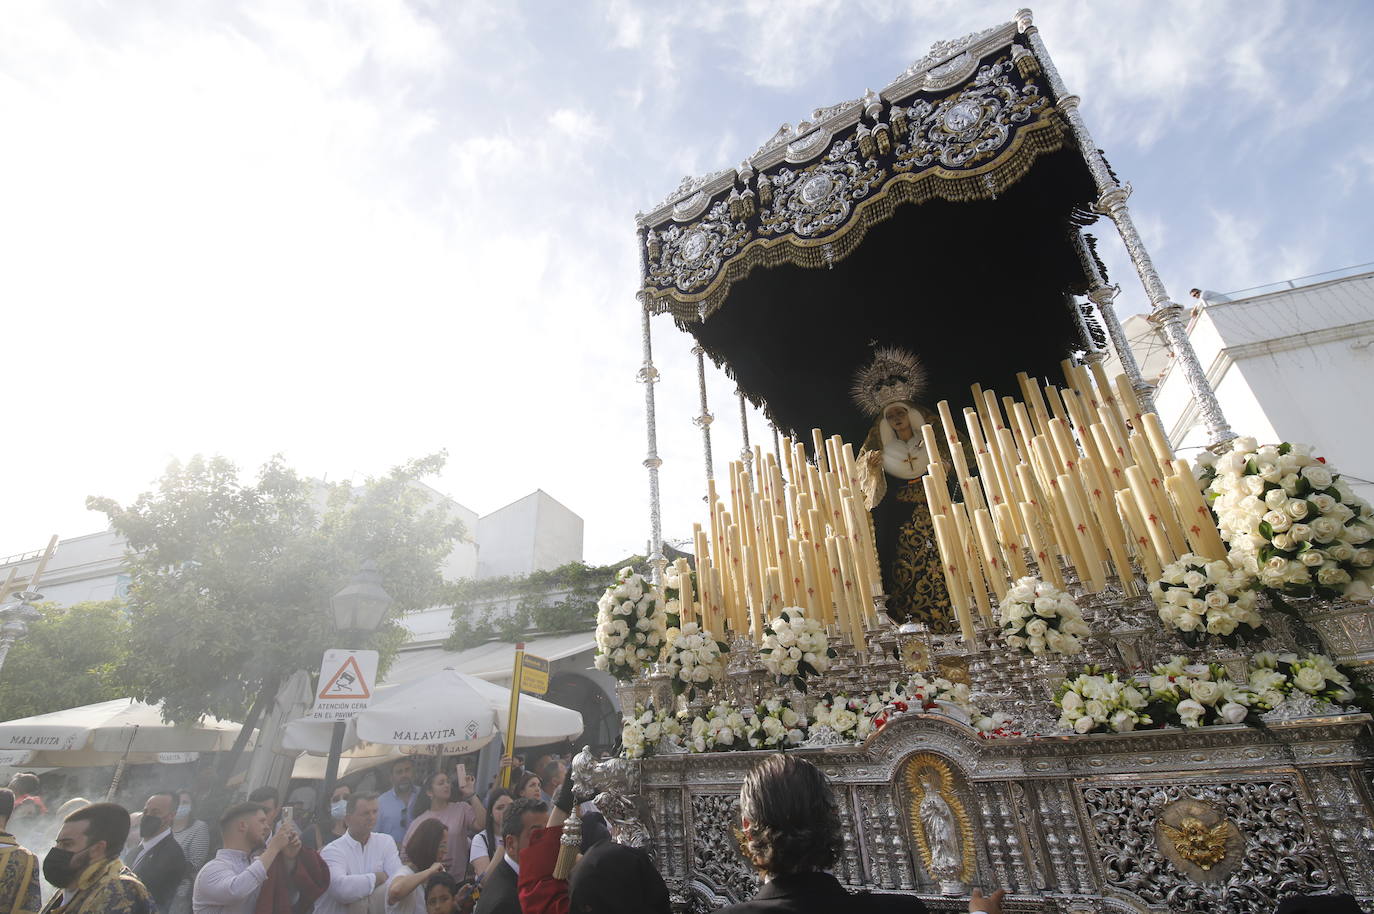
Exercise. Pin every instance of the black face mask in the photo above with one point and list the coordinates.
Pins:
(60, 867)
(149, 826)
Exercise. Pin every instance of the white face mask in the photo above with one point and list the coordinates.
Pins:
(184, 811)
(338, 809)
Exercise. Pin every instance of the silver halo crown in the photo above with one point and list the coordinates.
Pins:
(894, 374)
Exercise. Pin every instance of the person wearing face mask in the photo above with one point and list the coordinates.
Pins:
(85, 865)
(19, 882)
(335, 828)
(157, 860)
(230, 883)
(194, 837)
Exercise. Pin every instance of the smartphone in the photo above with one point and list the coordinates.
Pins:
(288, 815)
(460, 775)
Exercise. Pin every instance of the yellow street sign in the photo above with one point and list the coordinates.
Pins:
(534, 678)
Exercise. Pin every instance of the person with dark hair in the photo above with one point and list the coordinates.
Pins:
(19, 882)
(360, 862)
(446, 895)
(231, 881)
(193, 835)
(396, 807)
(28, 803)
(790, 832)
(269, 798)
(486, 845)
(297, 878)
(157, 859)
(551, 778)
(85, 865)
(612, 878)
(462, 815)
(529, 787)
(500, 893)
(405, 890)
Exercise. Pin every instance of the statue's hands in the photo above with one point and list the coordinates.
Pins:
(992, 903)
(875, 459)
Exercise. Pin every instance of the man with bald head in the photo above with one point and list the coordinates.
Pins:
(157, 860)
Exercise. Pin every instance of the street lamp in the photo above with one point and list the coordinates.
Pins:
(17, 617)
(358, 609)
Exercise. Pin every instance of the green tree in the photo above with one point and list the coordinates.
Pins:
(73, 656)
(231, 581)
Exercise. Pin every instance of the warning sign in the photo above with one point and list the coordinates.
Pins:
(346, 682)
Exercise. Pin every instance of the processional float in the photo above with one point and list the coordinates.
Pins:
(1139, 693)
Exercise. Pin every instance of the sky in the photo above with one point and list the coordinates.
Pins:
(353, 233)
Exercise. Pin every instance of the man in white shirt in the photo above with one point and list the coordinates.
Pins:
(360, 861)
(229, 883)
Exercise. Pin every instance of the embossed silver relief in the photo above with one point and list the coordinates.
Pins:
(716, 856)
(819, 198)
(690, 258)
(1280, 856)
(967, 128)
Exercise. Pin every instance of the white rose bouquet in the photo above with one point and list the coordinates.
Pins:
(1199, 695)
(641, 733)
(1315, 674)
(1038, 617)
(795, 647)
(630, 625)
(1197, 596)
(850, 718)
(1094, 702)
(774, 724)
(1289, 518)
(693, 658)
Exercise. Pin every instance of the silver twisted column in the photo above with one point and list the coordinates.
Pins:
(1164, 313)
(1103, 296)
(704, 420)
(648, 376)
(746, 453)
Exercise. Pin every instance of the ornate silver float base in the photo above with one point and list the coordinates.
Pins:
(1078, 824)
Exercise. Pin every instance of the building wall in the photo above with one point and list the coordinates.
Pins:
(82, 569)
(535, 533)
(1294, 365)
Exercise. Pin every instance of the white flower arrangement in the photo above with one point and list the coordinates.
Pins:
(1199, 596)
(1092, 702)
(630, 625)
(641, 733)
(795, 647)
(1200, 694)
(774, 724)
(1289, 518)
(1038, 617)
(1315, 674)
(693, 658)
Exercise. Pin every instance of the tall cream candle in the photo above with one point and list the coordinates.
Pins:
(959, 598)
(1047, 562)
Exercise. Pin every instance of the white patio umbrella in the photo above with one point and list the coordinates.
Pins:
(449, 712)
(108, 732)
(305, 734)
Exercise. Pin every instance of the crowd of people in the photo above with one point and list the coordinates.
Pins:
(428, 846)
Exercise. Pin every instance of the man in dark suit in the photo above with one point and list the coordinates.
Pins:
(499, 894)
(157, 860)
(791, 829)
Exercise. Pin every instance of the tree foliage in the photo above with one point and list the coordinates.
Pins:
(231, 581)
(72, 656)
(562, 599)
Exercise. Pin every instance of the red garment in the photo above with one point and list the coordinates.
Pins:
(310, 878)
(540, 893)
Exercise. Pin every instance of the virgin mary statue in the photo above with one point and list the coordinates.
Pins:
(891, 463)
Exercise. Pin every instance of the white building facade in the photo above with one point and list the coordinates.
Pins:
(1296, 364)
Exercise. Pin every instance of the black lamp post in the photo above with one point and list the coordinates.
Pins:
(357, 609)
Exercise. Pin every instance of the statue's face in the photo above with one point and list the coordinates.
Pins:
(897, 417)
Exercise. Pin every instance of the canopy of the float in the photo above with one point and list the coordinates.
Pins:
(939, 215)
